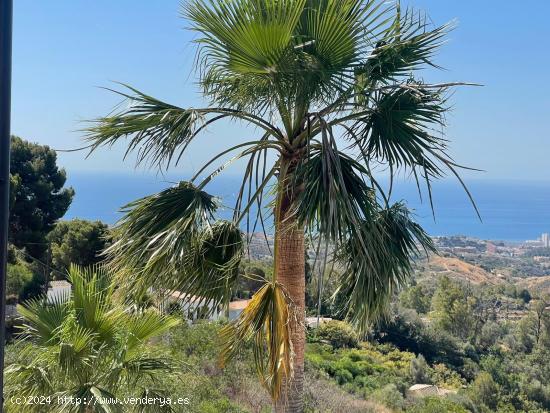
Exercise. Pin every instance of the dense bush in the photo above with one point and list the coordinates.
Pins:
(19, 276)
(417, 298)
(338, 333)
(390, 396)
(407, 331)
(362, 371)
(485, 391)
(26, 278)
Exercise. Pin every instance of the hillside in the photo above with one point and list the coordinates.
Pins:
(457, 269)
(541, 284)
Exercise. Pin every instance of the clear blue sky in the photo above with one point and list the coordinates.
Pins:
(64, 49)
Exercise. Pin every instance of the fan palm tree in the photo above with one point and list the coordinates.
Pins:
(331, 87)
(85, 347)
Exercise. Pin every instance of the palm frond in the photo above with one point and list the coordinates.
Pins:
(42, 320)
(135, 367)
(169, 241)
(242, 37)
(266, 321)
(407, 45)
(102, 399)
(209, 269)
(76, 348)
(399, 130)
(245, 36)
(330, 41)
(160, 226)
(142, 326)
(91, 301)
(260, 55)
(336, 197)
(394, 240)
(28, 379)
(157, 130)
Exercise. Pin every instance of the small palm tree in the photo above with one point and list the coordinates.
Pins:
(330, 87)
(85, 347)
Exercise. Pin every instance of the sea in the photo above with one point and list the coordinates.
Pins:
(512, 211)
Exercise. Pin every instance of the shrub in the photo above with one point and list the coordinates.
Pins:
(491, 332)
(445, 377)
(485, 390)
(390, 396)
(338, 333)
(419, 370)
(469, 370)
(463, 400)
(19, 275)
(417, 298)
(538, 392)
(361, 371)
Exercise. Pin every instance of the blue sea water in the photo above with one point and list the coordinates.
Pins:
(510, 210)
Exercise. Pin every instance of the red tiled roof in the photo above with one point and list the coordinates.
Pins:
(238, 305)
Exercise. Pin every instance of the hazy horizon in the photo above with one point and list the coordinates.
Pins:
(511, 210)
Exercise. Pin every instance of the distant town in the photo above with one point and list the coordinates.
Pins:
(524, 263)
(261, 245)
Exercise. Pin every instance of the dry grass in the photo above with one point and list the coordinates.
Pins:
(458, 269)
(540, 284)
(321, 396)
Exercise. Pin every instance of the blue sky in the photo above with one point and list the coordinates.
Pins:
(63, 50)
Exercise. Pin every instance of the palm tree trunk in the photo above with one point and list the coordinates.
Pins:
(290, 273)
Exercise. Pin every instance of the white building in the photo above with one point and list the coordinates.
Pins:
(58, 290)
(545, 238)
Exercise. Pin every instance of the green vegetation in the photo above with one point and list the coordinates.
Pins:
(504, 371)
(38, 196)
(487, 342)
(19, 276)
(363, 370)
(85, 346)
(42, 247)
(338, 334)
(77, 242)
(25, 278)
